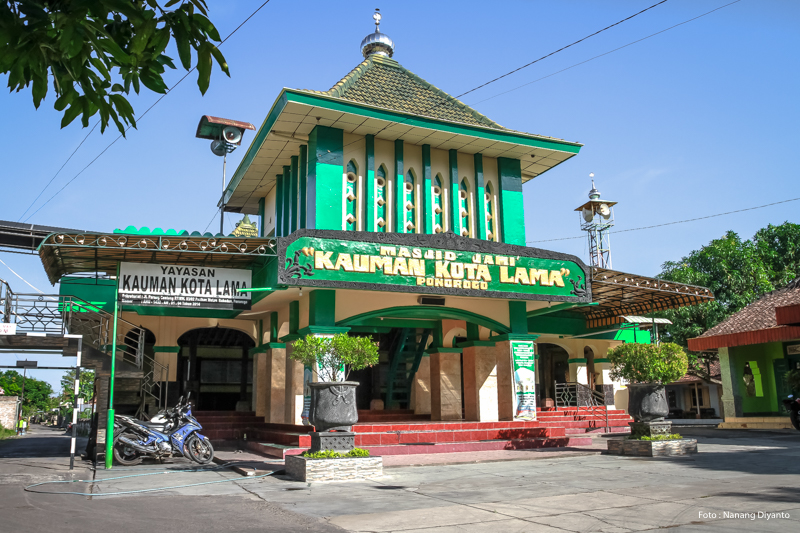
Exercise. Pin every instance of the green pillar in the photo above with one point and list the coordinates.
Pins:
(303, 177)
(511, 215)
(287, 205)
(518, 317)
(369, 200)
(427, 191)
(325, 170)
(273, 326)
(294, 317)
(294, 194)
(279, 205)
(400, 194)
(480, 206)
(455, 216)
(261, 214)
(110, 420)
(322, 308)
(731, 399)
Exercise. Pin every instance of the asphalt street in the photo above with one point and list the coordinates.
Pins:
(740, 481)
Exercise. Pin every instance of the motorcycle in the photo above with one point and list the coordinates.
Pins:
(171, 431)
(792, 405)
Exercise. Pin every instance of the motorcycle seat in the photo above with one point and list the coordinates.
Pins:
(153, 425)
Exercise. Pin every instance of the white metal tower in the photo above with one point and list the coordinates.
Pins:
(597, 217)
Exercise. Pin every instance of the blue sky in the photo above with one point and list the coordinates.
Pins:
(698, 120)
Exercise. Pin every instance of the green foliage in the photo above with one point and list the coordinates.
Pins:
(37, 393)
(335, 355)
(648, 363)
(792, 378)
(95, 51)
(86, 388)
(737, 272)
(6, 433)
(358, 452)
(674, 436)
(330, 454)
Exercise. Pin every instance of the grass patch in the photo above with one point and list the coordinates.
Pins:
(330, 454)
(6, 433)
(674, 436)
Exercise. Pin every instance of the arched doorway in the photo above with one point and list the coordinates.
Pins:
(553, 368)
(215, 365)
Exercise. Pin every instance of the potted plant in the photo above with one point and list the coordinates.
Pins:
(333, 398)
(647, 368)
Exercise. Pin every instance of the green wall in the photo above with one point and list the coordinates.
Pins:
(325, 170)
(763, 355)
(98, 292)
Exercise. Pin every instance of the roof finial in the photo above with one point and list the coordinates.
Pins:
(377, 43)
(594, 194)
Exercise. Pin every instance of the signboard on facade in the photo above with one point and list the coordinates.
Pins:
(189, 287)
(8, 329)
(432, 264)
(522, 353)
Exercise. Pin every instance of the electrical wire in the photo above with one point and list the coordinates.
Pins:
(606, 53)
(450, 99)
(59, 171)
(675, 222)
(120, 136)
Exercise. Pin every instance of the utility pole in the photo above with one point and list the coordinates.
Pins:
(110, 421)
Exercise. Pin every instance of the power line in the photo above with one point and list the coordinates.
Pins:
(559, 50)
(59, 170)
(675, 222)
(607, 53)
(390, 124)
(129, 127)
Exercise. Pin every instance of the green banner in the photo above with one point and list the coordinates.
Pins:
(434, 264)
(522, 353)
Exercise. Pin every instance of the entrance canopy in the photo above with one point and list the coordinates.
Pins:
(72, 253)
(618, 294)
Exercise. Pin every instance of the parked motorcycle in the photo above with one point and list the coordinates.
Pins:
(171, 431)
(792, 405)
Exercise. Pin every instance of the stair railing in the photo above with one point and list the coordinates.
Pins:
(155, 384)
(574, 394)
(63, 314)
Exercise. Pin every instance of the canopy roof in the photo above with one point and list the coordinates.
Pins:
(72, 253)
(382, 98)
(619, 294)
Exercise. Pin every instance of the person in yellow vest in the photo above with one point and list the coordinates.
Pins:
(20, 426)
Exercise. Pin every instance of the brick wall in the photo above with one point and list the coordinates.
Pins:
(8, 411)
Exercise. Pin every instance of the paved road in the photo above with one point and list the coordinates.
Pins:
(42, 455)
(740, 472)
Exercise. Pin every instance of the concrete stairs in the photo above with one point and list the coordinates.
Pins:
(397, 432)
(580, 421)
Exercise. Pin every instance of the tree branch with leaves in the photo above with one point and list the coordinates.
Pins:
(94, 52)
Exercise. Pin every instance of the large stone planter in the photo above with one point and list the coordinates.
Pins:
(333, 405)
(343, 469)
(652, 448)
(647, 402)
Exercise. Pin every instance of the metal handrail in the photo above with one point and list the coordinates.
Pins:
(151, 382)
(574, 394)
(60, 315)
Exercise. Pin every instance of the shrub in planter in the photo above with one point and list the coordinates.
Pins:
(333, 399)
(647, 368)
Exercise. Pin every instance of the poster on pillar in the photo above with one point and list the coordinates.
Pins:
(522, 353)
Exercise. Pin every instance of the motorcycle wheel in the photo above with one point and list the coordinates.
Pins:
(795, 418)
(125, 455)
(199, 450)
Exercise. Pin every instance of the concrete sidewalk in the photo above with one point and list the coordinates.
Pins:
(737, 472)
